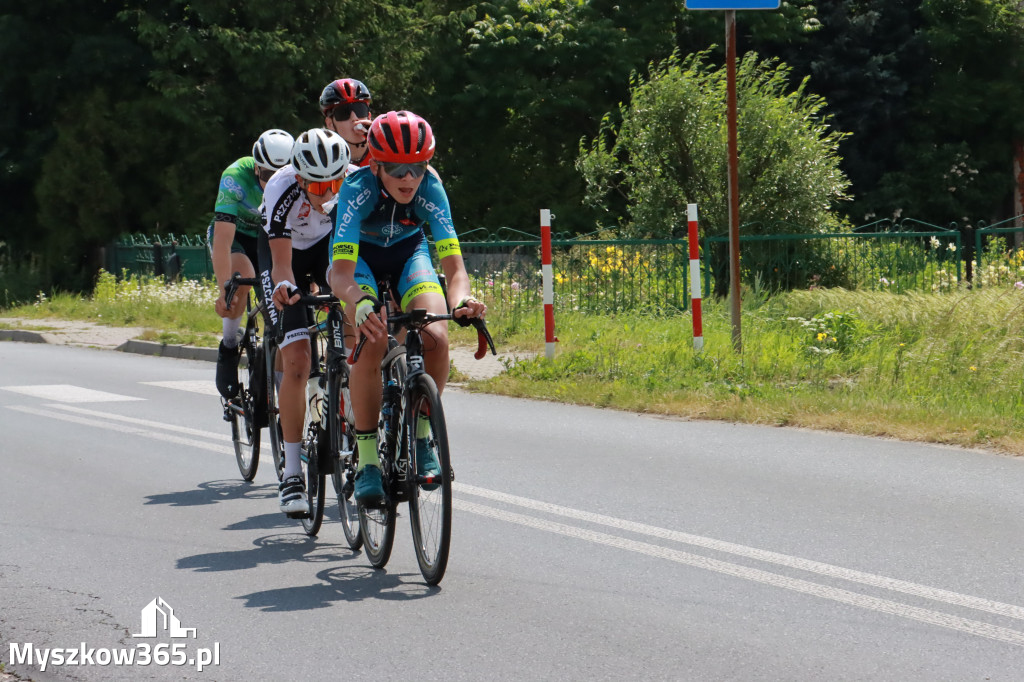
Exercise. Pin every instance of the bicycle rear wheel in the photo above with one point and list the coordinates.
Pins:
(344, 455)
(430, 498)
(273, 412)
(316, 480)
(245, 426)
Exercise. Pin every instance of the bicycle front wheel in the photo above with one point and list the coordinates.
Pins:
(316, 481)
(430, 496)
(245, 426)
(344, 455)
(273, 412)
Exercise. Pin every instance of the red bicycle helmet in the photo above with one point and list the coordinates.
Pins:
(400, 137)
(343, 91)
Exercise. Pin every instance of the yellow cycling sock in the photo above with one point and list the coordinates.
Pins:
(422, 426)
(366, 444)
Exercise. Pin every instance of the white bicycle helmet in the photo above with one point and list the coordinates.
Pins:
(273, 149)
(320, 155)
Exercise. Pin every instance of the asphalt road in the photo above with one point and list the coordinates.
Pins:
(588, 545)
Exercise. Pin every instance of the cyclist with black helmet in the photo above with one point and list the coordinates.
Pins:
(294, 253)
(232, 238)
(379, 234)
(345, 104)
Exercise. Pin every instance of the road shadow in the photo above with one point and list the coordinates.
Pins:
(212, 492)
(348, 583)
(269, 549)
(271, 521)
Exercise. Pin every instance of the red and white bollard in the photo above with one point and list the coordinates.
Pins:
(549, 285)
(698, 328)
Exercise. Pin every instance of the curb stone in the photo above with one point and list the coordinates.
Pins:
(21, 335)
(168, 351)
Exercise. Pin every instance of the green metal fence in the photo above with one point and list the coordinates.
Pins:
(168, 255)
(590, 275)
(904, 256)
(998, 260)
(593, 273)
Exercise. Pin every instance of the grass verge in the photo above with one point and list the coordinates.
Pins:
(942, 368)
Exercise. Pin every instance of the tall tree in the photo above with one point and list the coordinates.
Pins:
(516, 89)
(959, 152)
(671, 150)
(55, 72)
(866, 58)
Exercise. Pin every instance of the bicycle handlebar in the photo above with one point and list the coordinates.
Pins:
(418, 318)
(232, 285)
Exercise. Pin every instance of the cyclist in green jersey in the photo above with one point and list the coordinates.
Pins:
(232, 237)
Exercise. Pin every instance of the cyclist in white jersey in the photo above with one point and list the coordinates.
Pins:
(294, 254)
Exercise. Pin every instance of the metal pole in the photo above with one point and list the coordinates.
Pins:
(548, 281)
(734, 182)
(691, 238)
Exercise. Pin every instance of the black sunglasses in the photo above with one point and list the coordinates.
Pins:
(400, 170)
(342, 112)
(265, 173)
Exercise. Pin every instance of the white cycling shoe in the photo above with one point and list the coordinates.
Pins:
(291, 496)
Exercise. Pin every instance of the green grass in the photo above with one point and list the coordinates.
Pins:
(175, 313)
(935, 367)
(944, 368)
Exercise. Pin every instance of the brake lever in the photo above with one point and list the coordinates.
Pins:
(483, 337)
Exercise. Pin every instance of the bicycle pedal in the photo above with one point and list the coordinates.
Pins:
(297, 515)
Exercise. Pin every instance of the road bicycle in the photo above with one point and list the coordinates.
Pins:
(247, 411)
(328, 446)
(412, 417)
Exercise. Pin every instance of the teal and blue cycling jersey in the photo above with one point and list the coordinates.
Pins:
(367, 214)
(239, 197)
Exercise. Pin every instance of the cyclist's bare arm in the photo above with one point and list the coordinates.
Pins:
(458, 288)
(281, 271)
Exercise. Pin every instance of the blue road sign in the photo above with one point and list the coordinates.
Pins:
(732, 4)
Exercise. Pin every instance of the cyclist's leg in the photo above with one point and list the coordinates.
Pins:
(420, 288)
(231, 323)
(295, 357)
(364, 376)
(365, 394)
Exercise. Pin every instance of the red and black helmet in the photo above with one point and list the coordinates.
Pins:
(343, 91)
(400, 137)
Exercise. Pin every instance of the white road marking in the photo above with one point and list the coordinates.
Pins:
(932, 593)
(945, 620)
(66, 393)
(149, 423)
(146, 432)
(88, 417)
(205, 387)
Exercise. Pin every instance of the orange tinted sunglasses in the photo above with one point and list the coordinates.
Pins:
(322, 188)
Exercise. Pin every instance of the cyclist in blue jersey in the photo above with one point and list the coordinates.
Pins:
(382, 213)
(345, 104)
(232, 239)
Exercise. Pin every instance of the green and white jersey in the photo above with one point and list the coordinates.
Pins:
(239, 197)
